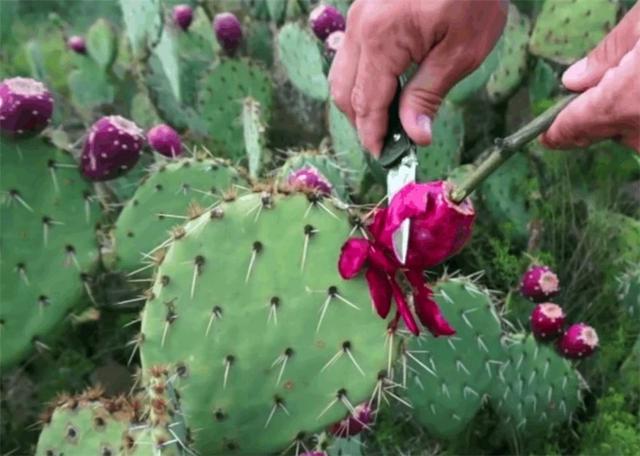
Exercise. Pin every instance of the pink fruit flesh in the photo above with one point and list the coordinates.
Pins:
(309, 178)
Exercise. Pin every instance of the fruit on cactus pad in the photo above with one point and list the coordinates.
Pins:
(165, 140)
(354, 422)
(309, 178)
(439, 227)
(182, 16)
(228, 31)
(539, 283)
(113, 146)
(333, 43)
(579, 341)
(326, 19)
(77, 44)
(547, 320)
(26, 106)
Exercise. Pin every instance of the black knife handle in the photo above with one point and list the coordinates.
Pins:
(396, 142)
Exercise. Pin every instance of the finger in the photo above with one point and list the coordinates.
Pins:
(344, 68)
(588, 71)
(372, 95)
(585, 120)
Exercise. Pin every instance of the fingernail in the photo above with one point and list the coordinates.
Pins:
(575, 73)
(424, 123)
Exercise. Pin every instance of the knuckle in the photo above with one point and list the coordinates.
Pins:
(340, 97)
(359, 100)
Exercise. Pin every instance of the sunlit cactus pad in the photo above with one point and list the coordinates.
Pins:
(269, 343)
(48, 245)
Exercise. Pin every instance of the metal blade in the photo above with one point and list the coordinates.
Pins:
(397, 178)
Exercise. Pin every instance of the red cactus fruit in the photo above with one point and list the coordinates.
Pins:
(579, 341)
(547, 321)
(26, 106)
(539, 284)
(326, 19)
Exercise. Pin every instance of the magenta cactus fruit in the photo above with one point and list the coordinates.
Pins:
(228, 31)
(547, 321)
(182, 16)
(112, 148)
(539, 284)
(165, 140)
(77, 44)
(579, 341)
(313, 453)
(355, 422)
(309, 178)
(333, 43)
(439, 227)
(326, 19)
(26, 106)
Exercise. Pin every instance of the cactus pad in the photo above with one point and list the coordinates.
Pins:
(447, 377)
(475, 81)
(143, 24)
(566, 31)
(536, 388)
(102, 43)
(513, 57)
(169, 196)
(347, 149)
(302, 58)
(48, 242)
(220, 98)
(254, 134)
(437, 159)
(269, 343)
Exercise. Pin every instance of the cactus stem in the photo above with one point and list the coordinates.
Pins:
(504, 148)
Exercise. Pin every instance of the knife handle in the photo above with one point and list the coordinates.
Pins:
(396, 142)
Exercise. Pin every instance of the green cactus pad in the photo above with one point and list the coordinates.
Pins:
(143, 23)
(254, 134)
(220, 98)
(324, 164)
(269, 343)
(566, 31)
(447, 377)
(260, 42)
(536, 388)
(166, 199)
(90, 88)
(102, 43)
(512, 64)
(143, 113)
(629, 291)
(302, 58)
(475, 81)
(439, 158)
(276, 9)
(505, 195)
(47, 242)
(347, 149)
(81, 427)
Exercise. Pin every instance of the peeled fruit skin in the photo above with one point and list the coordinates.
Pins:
(77, 44)
(309, 178)
(539, 284)
(547, 320)
(579, 341)
(326, 19)
(228, 31)
(355, 422)
(26, 106)
(112, 148)
(182, 16)
(333, 43)
(165, 140)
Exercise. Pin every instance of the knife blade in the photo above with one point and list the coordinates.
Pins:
(399, 158)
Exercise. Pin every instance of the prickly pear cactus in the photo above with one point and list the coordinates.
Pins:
(324, 164)
(143, 22)
(220, 98)
(566, 31)
(90, 86)
(629, 291)
(505, 196)
(347, 149)
(473, 83)
(172, 194)
(254, 131)
(536, 389)
(513, 57)
(102, 43)
(264, 264)
(302, 58)
(439, 158)
(446, 378)
(49, 217)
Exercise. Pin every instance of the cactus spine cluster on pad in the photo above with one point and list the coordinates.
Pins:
(170, 195)
(49, 218)
(447, 378)
(235, 272)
